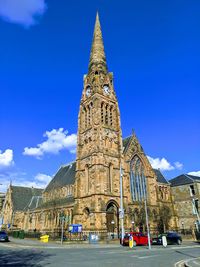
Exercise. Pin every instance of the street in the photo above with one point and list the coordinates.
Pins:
(23, 253)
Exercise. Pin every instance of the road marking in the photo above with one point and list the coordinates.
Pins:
(193, 260)
(179, 263)
(179, 247)
(182, 262)
(146, 257)
(121, 251)
(197, 263)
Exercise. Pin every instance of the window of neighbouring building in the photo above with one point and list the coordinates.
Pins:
(192, 190)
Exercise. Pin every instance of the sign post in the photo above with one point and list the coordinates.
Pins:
(63, 219)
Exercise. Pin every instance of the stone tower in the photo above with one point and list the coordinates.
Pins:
(99, 144)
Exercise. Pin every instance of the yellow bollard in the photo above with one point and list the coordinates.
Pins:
(130, 241)
(44, 238)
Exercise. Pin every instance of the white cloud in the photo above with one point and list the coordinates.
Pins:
(41, 177)
(163, 164)
(21, 179)
(57, 140)
(178, 165)
(197, 173)
(22, 12)
(6, 158)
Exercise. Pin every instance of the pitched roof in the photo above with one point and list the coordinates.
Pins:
(126, 141)
(184, 179)
(64, 176)
(34, 203)
(57, 202)
(193, 177)
(160, 177)
(21, 196)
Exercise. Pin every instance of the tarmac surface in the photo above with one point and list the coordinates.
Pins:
(30, 253)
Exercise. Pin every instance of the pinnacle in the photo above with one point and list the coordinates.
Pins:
(97, 55)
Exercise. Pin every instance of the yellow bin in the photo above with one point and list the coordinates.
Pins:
(44, 238)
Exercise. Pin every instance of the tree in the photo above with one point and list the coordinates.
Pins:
(165, 215)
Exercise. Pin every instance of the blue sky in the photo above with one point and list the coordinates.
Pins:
(151, 46)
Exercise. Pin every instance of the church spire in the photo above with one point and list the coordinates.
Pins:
(97, 55)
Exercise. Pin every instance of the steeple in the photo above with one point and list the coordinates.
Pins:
(97, 55)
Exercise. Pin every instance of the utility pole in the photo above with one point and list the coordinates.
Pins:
(62, 230)
(147, 223)
(146, 213)
(121, 211)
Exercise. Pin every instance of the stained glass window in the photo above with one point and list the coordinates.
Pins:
(137, 180)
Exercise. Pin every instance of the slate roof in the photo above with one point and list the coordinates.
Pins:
(34, 202)
(64, 176)
(160, 178)
(57, 202)
(126, 141)
(21, 196)
(184, 179)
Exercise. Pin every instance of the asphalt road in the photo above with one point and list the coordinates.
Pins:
(26, 255)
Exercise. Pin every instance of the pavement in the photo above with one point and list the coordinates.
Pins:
(57, 244)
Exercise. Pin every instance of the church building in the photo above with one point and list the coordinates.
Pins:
(87, 191)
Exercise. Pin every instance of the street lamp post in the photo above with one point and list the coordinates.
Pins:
(113, 227)
(183, 228)
(147, 223)
(121, 211)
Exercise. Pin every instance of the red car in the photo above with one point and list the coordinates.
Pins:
(138, 239)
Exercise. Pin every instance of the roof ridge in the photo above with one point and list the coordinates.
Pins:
(19, 186)
(189, 177)
(127, 137)
(68, 164)
(196, 176)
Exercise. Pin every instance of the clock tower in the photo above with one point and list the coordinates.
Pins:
(99, 144)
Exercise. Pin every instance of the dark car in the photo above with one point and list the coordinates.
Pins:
(4, 236)
(172, 238)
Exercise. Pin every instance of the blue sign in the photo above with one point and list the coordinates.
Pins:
(75, 228)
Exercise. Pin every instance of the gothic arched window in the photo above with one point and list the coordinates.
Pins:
(137, 180)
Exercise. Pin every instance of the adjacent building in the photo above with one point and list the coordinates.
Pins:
(18, 201)
(186, 194)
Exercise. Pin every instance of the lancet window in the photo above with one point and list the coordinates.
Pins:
(110, 178)
(137, 180)
(88, 115)
(106, 114)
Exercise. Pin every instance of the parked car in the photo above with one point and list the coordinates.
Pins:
(138, 239)
(4, 236)
(172, 238)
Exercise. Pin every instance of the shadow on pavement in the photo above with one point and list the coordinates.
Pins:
(23, 258)
(185, 254)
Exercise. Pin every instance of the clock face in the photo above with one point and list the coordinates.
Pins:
(88, 91)
(106, 89)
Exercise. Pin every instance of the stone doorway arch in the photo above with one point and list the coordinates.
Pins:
(112, 218)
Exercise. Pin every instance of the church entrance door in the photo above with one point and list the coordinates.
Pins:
(112, 219)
